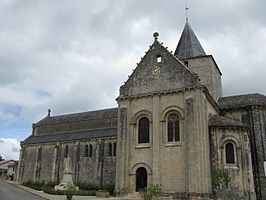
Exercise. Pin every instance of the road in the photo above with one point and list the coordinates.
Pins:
(11, 192)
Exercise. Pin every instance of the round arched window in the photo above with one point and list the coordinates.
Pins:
(229, 153)
(173, 132)
(143, 134)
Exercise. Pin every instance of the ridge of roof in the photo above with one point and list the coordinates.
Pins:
(220, 121)
(5, 161)
(82, 116)
(241, 101)
(188, 45)
(64, 137)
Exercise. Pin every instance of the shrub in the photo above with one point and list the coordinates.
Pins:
(110, 187)
(51, 184)
(78, 193)
(150, 191)
(34, 184)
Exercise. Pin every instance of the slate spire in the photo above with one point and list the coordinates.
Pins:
(188, 45)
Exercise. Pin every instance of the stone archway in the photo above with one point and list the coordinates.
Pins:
(141, 178)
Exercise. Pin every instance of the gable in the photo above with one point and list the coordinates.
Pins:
(158, 71)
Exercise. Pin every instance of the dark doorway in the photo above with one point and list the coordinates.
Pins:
(141, 179)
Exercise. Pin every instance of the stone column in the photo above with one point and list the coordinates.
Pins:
(20, 168)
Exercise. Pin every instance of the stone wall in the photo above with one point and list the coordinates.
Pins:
(240, 172)
(209, 74)
(255, 118)
(47, 161)
(182, 166)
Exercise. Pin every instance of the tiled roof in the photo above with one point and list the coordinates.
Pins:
(85, 116)
(4, 161)
(240, 101)
(188, 45)
(219, 121)
(64, 137)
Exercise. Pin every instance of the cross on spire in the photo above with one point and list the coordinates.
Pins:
(186, 8)
(49, 112)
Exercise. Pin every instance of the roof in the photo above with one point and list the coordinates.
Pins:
(219, 121)
(64, 137)
(84, 116)
(4, 161)
(241, 101)
(188, 45)
(13, 165)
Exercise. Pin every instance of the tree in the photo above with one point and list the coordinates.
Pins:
(1, 158)
(221, 181)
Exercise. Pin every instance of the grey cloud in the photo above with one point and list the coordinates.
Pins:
(73, 50)
(14, 149)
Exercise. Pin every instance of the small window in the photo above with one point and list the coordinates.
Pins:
(230, 153)
(110, 149)
(66, 151)
(90, 151)
(114, 149)
(39, 154)
(143, 132)
(86, 152)
(159, 58)
(173, 133)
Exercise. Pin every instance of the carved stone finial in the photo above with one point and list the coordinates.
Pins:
(156, 35)
(49, 112)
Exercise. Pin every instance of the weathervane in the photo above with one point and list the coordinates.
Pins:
(186, 8)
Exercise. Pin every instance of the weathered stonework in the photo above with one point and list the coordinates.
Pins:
(191, 132)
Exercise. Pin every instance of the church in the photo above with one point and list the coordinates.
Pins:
(172, 126)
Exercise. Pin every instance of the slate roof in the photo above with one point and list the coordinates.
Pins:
(219, 121)
(76, 117)
(188, 45)
(240, 101)
(64, 137)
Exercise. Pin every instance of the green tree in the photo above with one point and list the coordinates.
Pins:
(221, 181)
(1, 158)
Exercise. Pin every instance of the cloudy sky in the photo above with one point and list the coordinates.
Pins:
(73, 55)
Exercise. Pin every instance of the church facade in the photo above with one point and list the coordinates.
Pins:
(172, 127)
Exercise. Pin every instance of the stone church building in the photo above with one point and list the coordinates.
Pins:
(172, 127)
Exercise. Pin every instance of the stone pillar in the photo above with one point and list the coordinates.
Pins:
(55, 154)
(197, 137)
(156, 141)
(20, 168)
(121, 170)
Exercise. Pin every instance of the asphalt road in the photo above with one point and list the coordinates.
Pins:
(11, 192)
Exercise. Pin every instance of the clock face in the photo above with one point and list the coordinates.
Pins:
(156, 70)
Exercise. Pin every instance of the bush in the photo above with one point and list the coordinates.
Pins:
(150, 191)
(51, 184)
(110, 187)
(78, 193)
(34, 184)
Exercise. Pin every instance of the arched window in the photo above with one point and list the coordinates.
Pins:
(110, 149)
(229, 153)
(114, 149)
(143, 135)
(66, 151)
(90, 151)
(39, 154)
(173, 133)
(86, 152)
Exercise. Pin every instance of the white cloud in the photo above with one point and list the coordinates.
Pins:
(73, 57)
(9, 148)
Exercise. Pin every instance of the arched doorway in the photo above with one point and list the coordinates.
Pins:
(141, 178)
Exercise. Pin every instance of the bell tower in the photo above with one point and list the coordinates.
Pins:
(190, 51)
